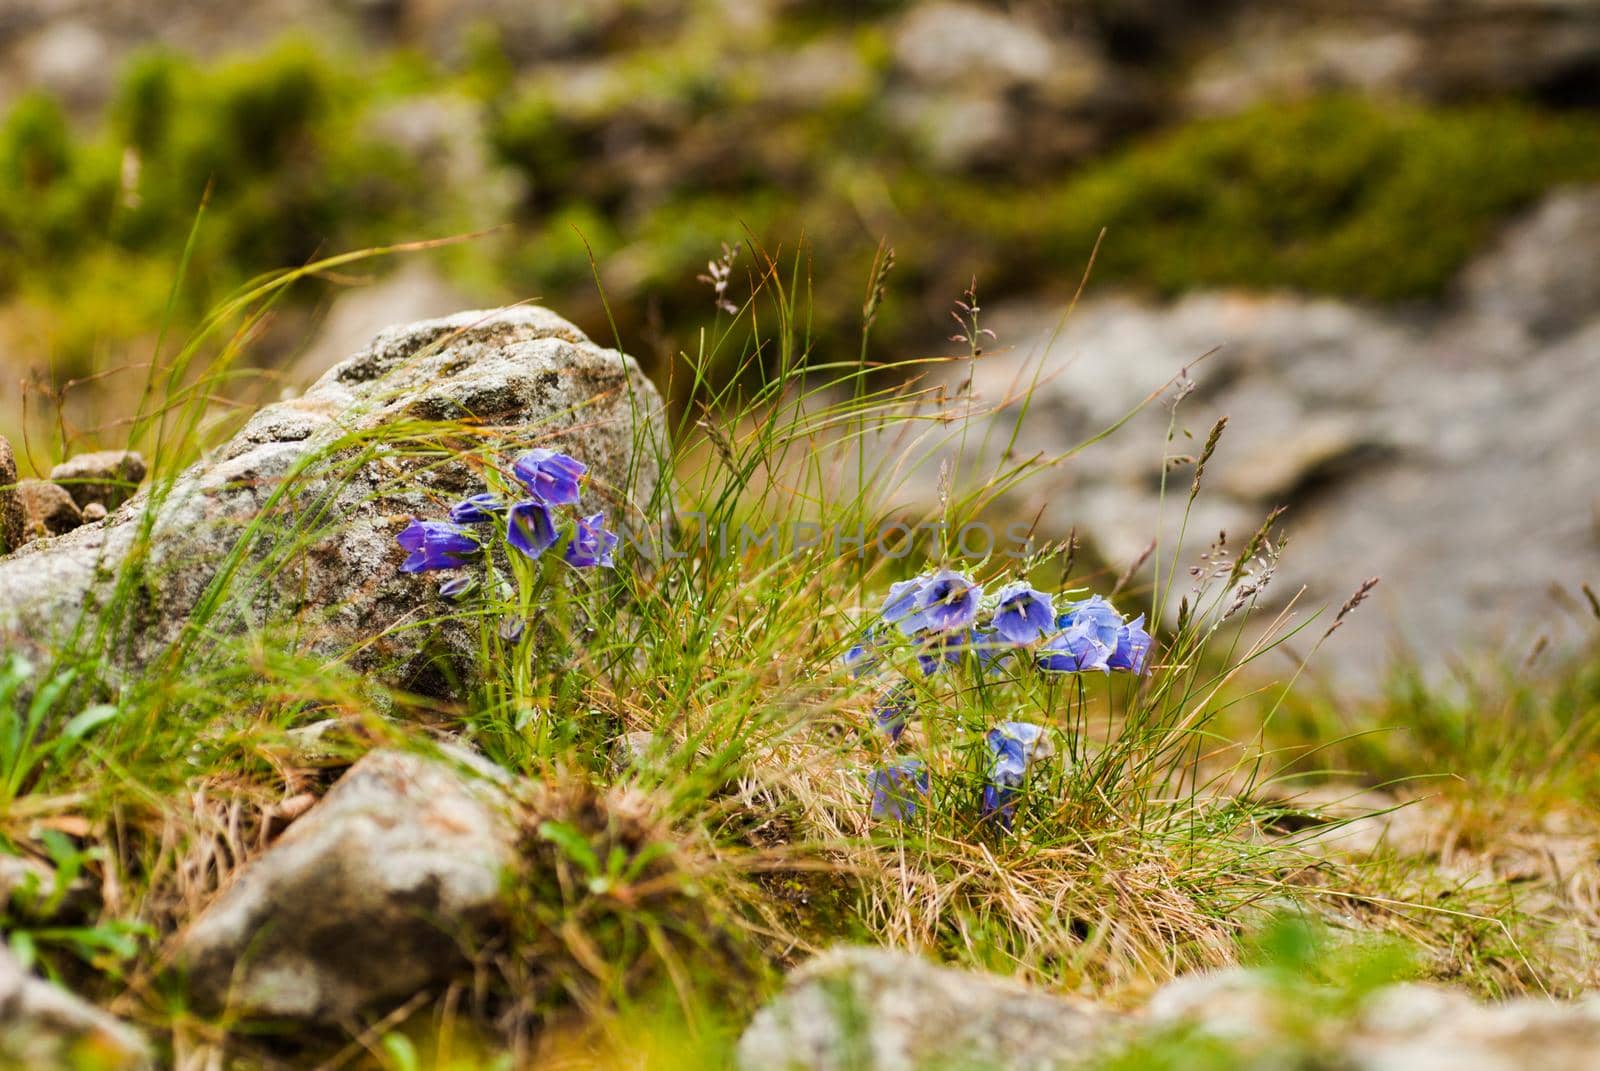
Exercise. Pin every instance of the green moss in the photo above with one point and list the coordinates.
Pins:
(274, 144)
(1336, 196)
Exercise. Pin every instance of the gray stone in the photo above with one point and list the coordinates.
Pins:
(47, 509)
(946, 42)
(107, 477)
(1543, 274)
(1406, 1027)
(366, 899)
(523, 376)
(43, 1027)
(859, 1008)
(13, 520)
(1426, 1028)
(639, 748)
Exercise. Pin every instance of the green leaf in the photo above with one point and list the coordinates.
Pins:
(401, 1053)
(572, 845)
(88, 721)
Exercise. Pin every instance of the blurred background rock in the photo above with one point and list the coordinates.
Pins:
(1385, 212)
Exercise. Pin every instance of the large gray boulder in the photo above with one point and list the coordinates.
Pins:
(293, 521)
(366, 899)
(43, 1027)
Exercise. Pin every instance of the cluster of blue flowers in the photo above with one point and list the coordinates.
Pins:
(943, 617)
(531, 525)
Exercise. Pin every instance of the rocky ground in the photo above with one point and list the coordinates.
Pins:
(392, 883)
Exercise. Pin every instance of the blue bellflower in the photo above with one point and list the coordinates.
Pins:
(898, 789)
(1014, 746)
(591, 544)
(1097, 617)
(1023, 614)
(530, 528)
(946, 602)
(551, 477)
(479, 509)
(1075, 650)
(1133, 647)
(437, 545)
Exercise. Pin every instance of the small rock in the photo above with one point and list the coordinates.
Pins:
(13, 521)
(364, 900)
(891, 1011)
(107, 477)
(945, 42)
(635, 749)
(93, 512)
(1235, 1005)
(43, 1026)
(47, 510)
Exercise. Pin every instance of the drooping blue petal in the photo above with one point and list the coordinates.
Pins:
(511, 629)
(1133, 647)
(898, 789)
(550, 476)
(901, 602)
(1074, 650)
(1097, 617)
(999, 804)
(992, 651)
(437, 545)
(591, 544)
(479, 509)
(530, 528)
(457, 586)
(938, 650)
(1014, 745)
(1023, 614)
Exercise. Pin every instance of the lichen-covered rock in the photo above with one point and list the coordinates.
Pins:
(106, 478)
(366, 899)
(13, 522)
(878, 1009)
(47, 509)
(304, 503)
(43, 1027)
